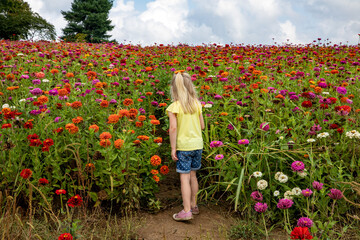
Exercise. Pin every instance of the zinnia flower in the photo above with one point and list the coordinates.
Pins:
(297, 166)
(335, 194)
(306, 192)
(164, 170)
(216, 144)
(300, 233)
(264, 126)
(305, 222)
(219, 157)
(285, 203)
(65, 236)
(260, 207)
(243, 141)
(75, 201)
(257, 196)
(317, 186)
(26, 173)
(262, 184)
(60, 191)
(155, 160)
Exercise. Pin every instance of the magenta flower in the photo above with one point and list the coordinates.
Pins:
(317, 186)
(264, 126)
(335, 194)
(243, 141)
(285, 203)
(260, 207)
(341, 90)
(219, 157)
(297, 166)
(305, 222)
(257, 196)
(216, 144)
(306, 192)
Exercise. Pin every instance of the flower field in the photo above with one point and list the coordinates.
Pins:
(85, 125)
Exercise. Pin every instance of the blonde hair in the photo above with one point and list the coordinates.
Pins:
(183, 90)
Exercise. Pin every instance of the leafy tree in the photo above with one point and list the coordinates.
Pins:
(90, 17)
(18, 21)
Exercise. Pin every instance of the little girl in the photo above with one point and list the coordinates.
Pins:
(186, 123)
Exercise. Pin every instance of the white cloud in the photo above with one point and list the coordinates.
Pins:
(223, 21)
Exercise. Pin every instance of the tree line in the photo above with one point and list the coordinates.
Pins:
(87, 20)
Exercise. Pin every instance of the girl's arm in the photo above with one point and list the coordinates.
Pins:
(172, 133)
(202, 122)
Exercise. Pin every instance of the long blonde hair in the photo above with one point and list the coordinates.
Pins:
(183, 90)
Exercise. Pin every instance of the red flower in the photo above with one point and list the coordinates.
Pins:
(65, 236)
(301, 233)
(32, 136)
(60, 191)
(306, 104)
(75, 201)
(333, 126)
(333, 100)
(43, 181)
(48, 142)
(26, 173)
(164, 170)
(35, 142)
(340, 130)
(28, 125)
(45, 149)
(6, 125)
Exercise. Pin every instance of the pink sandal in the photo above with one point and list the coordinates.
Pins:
(183, 216)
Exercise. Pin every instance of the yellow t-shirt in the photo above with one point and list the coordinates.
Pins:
(188, 134)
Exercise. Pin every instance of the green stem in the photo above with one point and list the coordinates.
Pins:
(266, 232)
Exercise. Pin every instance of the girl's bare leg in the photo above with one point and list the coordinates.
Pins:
(194, 188)
(186, 190)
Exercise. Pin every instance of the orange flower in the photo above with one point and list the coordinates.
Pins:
(156, 178)
(71, 128)
(139, 100)
(77, 120)
(62, 92)
(69, 75)
(95, 127)
(43, 99)
(162, 105)
(139, 124)
(91, 75)
(148, 93)
(128, 102)
(334, 71)
(202, 73)
(264, 90)
(318, 89)
(105, 135)
(113, 118)
(54, 71)
(99, 85)
(139, 81)
(155, 160)
(105, 142)
(76, 105)
(143, 137)
(154, 171)
(224, 74)
(118, 143)
(104, 103)
(155, 122)
(164, 170)
(240, 119)
(1, 94)
(254, 86)
(137, 142)
(158, 140)
(224, 114)
(152, 117)
(10, 77)
(148, 69)
(280, 96)
(141, 118)
(12, 88)
(343, 99)
(124, 113)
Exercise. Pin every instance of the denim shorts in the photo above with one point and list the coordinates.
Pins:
(188, 161)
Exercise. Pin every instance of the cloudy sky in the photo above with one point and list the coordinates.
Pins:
(222, 21)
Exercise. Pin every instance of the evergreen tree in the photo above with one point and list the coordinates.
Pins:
(18, 21)
(88, 19)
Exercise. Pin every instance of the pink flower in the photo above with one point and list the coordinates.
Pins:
(219, 157)
(307, 192)
(257, 196)
(335, 194)
(265, 126)
(216, 144)
(305, 222)
(297, 166)
(317, 186)
(260, 207)
(243, 141)
(285, 203)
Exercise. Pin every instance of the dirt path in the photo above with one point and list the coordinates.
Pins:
(212, 222)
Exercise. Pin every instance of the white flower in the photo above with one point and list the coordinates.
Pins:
(353, 134)
(12, 107)
(283, 178)
(6, 105)
(208, 105)
(45, 80)
(310, 140)
(159, 144)
(302, 173)
(296, 191)
(288, 195)
(22, 100)
(257, 174)
(277, 175)
(281, 137)
(262, 184)
(276, 193)
(323, 135)
(325, 93)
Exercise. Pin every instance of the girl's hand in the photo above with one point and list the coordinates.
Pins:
(173, 155)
